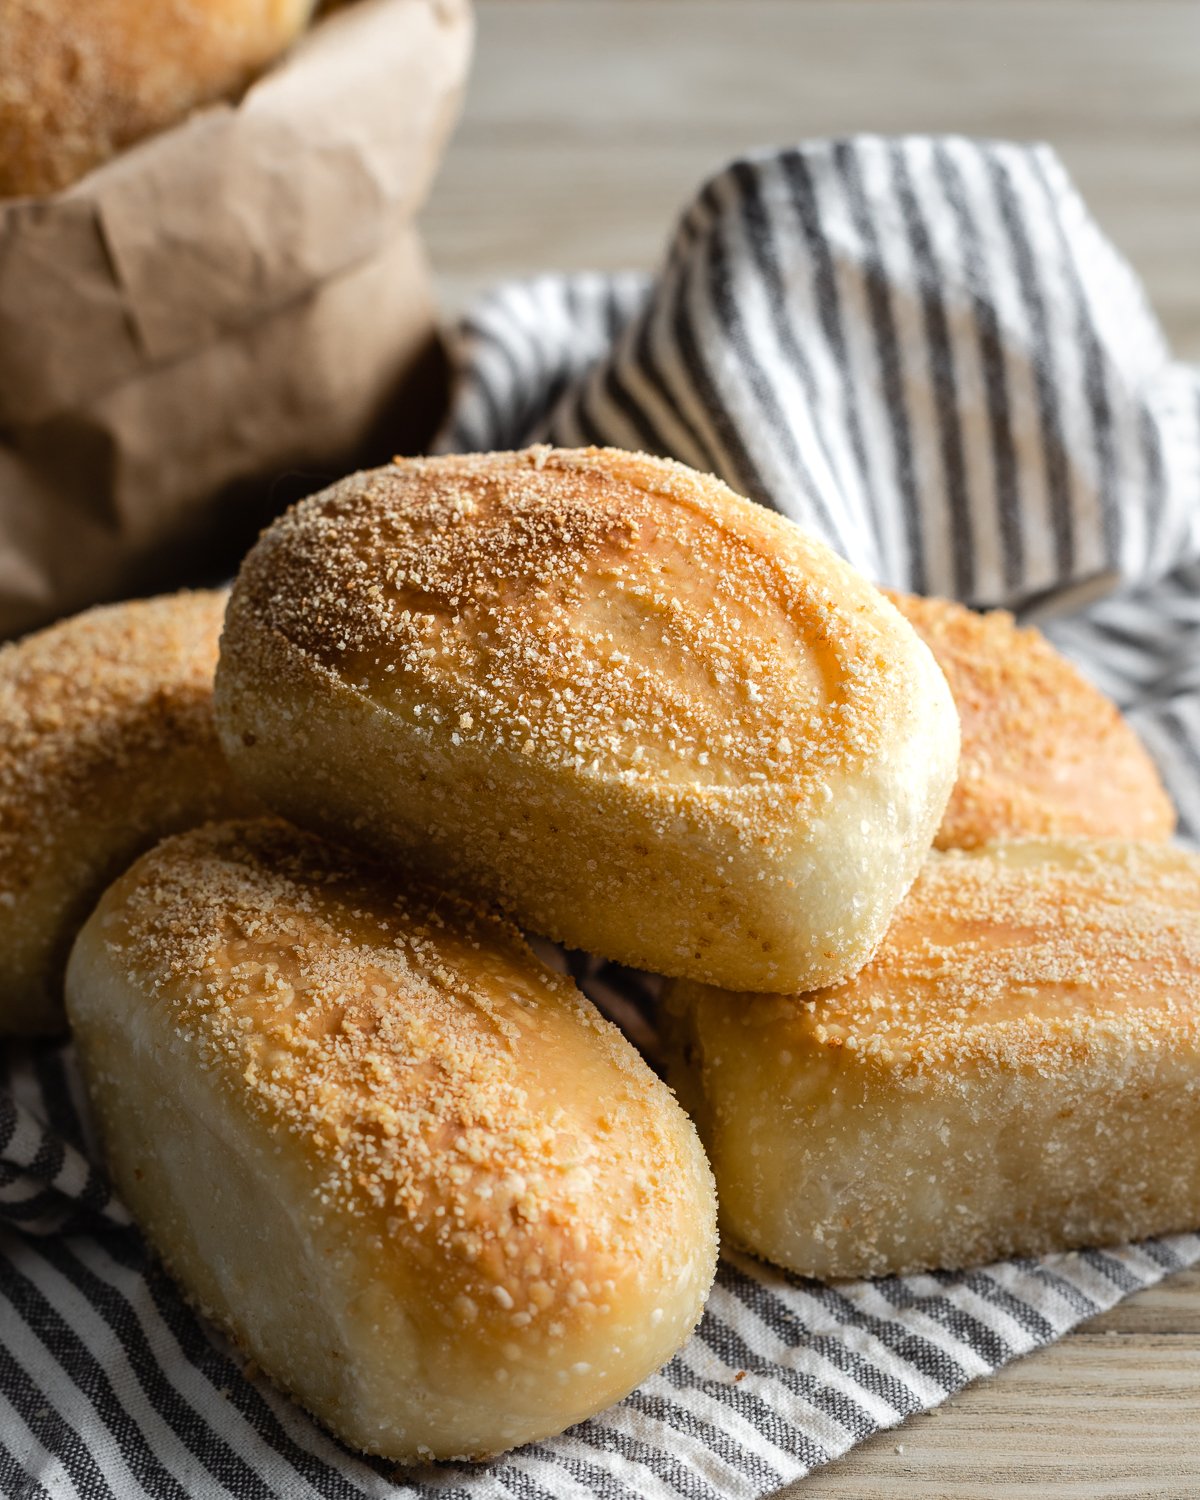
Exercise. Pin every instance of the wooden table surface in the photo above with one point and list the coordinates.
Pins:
(588, 124)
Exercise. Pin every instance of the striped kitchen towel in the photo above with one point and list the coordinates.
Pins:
(924, 351)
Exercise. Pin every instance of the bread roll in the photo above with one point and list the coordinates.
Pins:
(81, 81)
(106, 744)
(653, 720)
(1017, 1071)
(409, 1168)
(1044, 753)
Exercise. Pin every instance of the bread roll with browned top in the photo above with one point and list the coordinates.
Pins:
(651, 719)
(404, 1164)
(82, 79)
(1044, 753)
(1016, 1071)
(106, 745)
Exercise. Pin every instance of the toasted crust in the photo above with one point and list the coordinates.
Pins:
(406, 1165)
(1044, 753)
(79, 82)
(652, 719)
(1016, 1071)
(106, 744)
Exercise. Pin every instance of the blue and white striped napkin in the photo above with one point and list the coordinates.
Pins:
(924, 351)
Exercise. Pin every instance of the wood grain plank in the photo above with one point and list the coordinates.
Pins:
(1091, 1416)
(1169, 1310)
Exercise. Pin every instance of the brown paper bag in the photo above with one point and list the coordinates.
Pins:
(224, 315)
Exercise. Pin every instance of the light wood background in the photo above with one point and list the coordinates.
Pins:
(590, 122)
(588, 125)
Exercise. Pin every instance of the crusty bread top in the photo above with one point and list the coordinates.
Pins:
(444, 1085)
(1044, 753)
(615, 615)
(93, 697)
(1018, 955)
(82, 79)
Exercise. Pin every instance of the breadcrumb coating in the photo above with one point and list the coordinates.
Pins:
(407, 1045)
(546, 605)
(1008, 958)
(106, 743)
(499, 663)
(79, 83)
(1044, 753)
(1017, 1070)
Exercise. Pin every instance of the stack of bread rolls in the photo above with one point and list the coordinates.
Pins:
(405, 1164)
(1015, 1070)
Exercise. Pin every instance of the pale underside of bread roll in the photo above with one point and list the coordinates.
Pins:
(1017, 1071)
(81, 81)
(651, 719)
(1044, 753)
(106, 745)
(405, 1165)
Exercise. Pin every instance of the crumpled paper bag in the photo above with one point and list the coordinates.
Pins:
(233, 304)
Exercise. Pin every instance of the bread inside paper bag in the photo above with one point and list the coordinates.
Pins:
(224, 316)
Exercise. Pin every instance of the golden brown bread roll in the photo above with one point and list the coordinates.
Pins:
(106, 744)
(81, 81)
(650, 718)
(1044, 753)
(408, 1167)
(1016, 1071)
